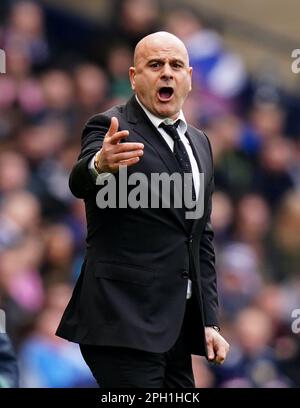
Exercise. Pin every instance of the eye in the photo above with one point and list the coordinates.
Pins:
(177, 65)
(155, 64)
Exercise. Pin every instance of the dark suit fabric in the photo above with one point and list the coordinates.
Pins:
(132, 288)
(120, 367)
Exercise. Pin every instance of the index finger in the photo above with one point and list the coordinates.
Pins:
(116, 137)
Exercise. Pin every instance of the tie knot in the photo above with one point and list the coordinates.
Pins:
(176, 123)
(171, 129)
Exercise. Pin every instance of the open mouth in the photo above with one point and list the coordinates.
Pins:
(165, 93)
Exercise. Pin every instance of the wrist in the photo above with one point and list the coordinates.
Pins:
(96, 164)
(216, 328)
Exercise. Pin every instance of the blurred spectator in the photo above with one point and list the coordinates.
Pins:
(75, 220)
(239, 277)
(222, 216)
(19, 216)
(92, 89)
(119, 60)
(45, 359)
(14, 172)
(25, 31)
(59, 253)
(22, 285)
(219, 75)
(133, 19)
(272, 176)
(252, 220)
(233, 168)
(58, 89)
(42, 146)
(266, 121)
(285, 247)
(9, 372)
(252, 362)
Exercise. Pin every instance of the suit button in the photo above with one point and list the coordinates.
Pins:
(185, 275)
(191, 238)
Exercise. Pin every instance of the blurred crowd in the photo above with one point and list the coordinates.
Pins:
(54, 82)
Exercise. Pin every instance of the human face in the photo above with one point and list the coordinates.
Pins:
(161, 77)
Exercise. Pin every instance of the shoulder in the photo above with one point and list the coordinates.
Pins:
(103, 118)
(201, 136)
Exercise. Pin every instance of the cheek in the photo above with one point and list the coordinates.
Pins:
(150, 94)
(185, 87)
(143, 86)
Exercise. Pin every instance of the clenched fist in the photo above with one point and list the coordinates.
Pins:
(217, 346)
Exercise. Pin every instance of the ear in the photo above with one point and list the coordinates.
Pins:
(131, 77)
(191, 74)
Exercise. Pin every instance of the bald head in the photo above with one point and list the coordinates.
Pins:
(159, 40)
(161, 75)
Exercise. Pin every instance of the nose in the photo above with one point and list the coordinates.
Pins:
(166, 73)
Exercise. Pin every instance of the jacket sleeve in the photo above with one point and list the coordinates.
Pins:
(207, 269)
(207, 260)
(81, 182)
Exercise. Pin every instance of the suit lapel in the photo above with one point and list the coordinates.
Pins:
(196, 146)
(145, 128)
(201, 157)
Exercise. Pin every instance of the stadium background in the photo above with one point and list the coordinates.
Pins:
(68, 61)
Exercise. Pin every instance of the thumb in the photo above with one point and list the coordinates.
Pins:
(114, 126)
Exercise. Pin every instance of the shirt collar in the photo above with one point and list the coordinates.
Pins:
(157, 121)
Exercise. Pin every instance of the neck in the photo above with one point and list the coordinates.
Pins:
(173, 117)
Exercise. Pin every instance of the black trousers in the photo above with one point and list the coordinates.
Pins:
(118, 367)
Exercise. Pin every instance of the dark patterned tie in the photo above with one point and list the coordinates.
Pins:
(180, 151)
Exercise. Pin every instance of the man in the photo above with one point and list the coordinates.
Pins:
(9, 371)
(146, 298)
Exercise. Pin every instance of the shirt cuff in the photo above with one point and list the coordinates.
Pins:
(94, 173)
(97, 177)
(92, 168)
(217, 328)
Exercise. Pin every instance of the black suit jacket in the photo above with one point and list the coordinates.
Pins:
(132, 288)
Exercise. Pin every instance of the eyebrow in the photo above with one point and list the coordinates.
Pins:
(163, 60)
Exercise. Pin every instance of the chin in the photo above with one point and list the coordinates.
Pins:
(164, 114)
(167, 112)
